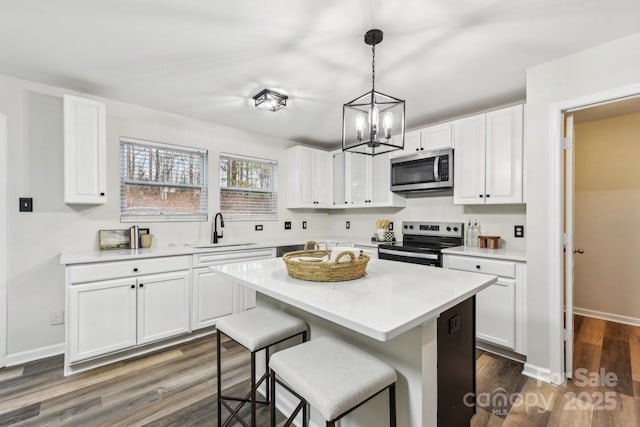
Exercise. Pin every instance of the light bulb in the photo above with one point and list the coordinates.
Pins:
(374, 118)
(387, 124)
(359, 126)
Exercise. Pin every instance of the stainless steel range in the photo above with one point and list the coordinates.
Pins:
(423, 242)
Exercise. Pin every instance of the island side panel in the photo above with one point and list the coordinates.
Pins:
(414, 356)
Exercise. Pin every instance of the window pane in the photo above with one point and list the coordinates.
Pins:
(161, 181)
(248, 188)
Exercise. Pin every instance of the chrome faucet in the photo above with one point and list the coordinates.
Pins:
(214, 232)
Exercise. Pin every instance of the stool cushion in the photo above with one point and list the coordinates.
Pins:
(260, 327)
(331, 375)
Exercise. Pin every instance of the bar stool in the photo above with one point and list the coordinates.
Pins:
(333, 377)
(255, 330)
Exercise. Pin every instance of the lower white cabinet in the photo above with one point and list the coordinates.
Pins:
(111, 315)
(500, 308)
(101, 318)
(215, 295)
(163, 305)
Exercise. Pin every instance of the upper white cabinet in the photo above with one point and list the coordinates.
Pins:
(363, 181)
(85, 151)
(436, 137)
(488, 158)
(430, 138)
(310, 179)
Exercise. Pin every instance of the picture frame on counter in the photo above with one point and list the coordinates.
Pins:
(116, 239)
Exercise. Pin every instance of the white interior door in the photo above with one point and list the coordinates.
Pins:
(569, 157)
(3, 240)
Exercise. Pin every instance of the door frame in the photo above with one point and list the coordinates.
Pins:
(556, 222)
(4, 308)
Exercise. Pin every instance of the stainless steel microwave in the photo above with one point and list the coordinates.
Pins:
(424, 171)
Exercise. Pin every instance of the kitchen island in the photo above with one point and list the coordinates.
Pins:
(392, 313)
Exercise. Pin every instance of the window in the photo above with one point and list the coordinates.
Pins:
(248, 188)
(161, 182)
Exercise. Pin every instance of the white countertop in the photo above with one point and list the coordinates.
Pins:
(502, 253)
(391, 299)
(82, 257)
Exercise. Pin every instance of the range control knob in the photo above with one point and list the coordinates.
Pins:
(411, 227)
(448, 228)
(455, 229)
(406, 226)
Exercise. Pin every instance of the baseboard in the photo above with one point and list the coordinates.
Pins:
(537, 373)
(633, 321)
(32, 355)
(500, 351)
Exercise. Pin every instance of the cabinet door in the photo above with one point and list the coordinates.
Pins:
(322, 178)
(380, 172)
(496, 317)
(504, 156)
(307, 179)
(339, 181)
(212, 297)
(411, 144)
(436, 137)
(85, 151)
(357, 180)
(469, 161)
(101, 318)
(163, 305)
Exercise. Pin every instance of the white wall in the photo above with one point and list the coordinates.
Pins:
(35, 240)
(604, 67)
(606, 219)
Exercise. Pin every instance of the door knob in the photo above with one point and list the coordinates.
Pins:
(578, 251)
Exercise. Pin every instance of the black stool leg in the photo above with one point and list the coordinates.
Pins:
(392, 405)
(266, 371)
(253, 389)
(272, 376)
(219, 385)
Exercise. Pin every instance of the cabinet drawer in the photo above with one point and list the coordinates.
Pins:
(116, 269)
(482, 265)
(203, 260)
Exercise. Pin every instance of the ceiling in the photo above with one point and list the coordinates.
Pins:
(207, 59)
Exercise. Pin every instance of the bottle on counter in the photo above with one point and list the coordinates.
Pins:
(467, 235)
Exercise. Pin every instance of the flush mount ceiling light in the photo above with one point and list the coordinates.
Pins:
(270, 100)
(374, 122)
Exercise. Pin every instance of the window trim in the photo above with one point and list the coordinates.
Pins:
(166, 217)
(254, 217)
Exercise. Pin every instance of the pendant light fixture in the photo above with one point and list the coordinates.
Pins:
(271, 100)
(373, 123)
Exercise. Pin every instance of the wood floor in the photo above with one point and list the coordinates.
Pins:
(176, 387)
(507, 398)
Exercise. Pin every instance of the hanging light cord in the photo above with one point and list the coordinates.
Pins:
(373, 66)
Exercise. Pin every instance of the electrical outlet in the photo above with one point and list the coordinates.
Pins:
(26, 204)
(258, 227)
(304, 225)
(454, 323)
(287, 225)
(57, 317)
(518, 231)
(348, 225)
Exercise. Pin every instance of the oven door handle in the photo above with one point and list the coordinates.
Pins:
(407, 254)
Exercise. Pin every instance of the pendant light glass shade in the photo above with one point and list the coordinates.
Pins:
(373, 123)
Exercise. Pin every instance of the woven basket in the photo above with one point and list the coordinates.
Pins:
(325, 271)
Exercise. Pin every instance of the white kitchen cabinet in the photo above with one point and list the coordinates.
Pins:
(363, 181)
(101, 318)
(500, 308)
(436, 137)
(113, 306)
(163, 305)
(488, 158)
(215, 295)
(85, 151)
(411, 144)
(310, 179)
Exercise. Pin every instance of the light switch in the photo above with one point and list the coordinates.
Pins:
(26, 204)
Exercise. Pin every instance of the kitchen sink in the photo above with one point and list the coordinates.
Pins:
(221, 245)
